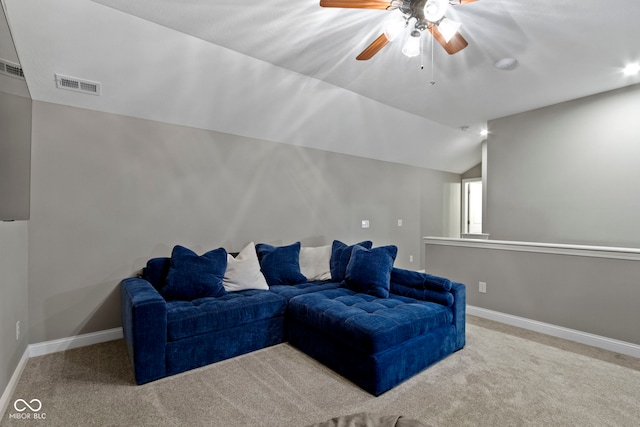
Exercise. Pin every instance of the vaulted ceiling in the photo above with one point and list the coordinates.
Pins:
(285, 70)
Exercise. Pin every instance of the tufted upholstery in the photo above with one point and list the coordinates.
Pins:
(304, 288)
(368, 323)
(375, 342)
(189, 318)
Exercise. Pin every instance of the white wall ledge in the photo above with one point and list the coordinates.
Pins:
(610, 252)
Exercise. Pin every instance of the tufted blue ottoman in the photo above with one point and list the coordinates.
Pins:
(375, 342)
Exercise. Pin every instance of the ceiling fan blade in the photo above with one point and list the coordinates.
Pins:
(358, 4)
(373, 48)
(455, 45)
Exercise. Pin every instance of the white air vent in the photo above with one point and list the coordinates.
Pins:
(11, 69)
(77, 85)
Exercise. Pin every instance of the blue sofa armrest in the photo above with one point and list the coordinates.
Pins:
(422, 286)
(459, 292)
(435, 289)
(144, 325)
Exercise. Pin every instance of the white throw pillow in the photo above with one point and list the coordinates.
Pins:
(314, 263)
(243, 271)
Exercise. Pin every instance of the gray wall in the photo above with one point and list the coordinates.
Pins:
(561, 174)
(109, 192)
(474, 172)
(595, 295)
(567, 173)
(13, 304)
(15, 156)
(440, 206)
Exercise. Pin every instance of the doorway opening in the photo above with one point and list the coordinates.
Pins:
(472, 206)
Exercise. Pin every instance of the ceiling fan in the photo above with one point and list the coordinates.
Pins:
(421, 14)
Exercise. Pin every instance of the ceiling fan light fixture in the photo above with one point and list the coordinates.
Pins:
(434, 10)
(448, 28)
(412, 46)
(394, 25)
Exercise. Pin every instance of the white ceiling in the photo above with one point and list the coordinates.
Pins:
(285, 70)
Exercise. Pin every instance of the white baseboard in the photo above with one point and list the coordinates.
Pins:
(48, 347)
(610, 344)
(5, 400)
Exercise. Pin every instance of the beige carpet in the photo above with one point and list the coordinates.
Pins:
(504, 377)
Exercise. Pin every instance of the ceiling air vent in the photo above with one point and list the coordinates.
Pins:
(77, 85)
(11, 69)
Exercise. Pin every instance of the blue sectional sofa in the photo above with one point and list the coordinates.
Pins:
(372, 323)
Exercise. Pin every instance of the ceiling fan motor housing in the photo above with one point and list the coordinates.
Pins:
(421, 15)
(426, 12)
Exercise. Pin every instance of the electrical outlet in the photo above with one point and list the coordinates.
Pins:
(18, 330)
(410, 258)
(365, 223)
(482, 288)
(399, 223)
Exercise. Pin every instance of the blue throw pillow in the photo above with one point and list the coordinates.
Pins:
(191, 276)
(156, 272)
(369, 270)
(340, 255)
(280, 264)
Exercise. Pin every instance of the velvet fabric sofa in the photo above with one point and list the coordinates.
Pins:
(346, 306)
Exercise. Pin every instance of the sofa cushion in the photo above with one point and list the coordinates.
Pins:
(340, 256)
(369, 270)
(290, 291)
(365, 322)
(204, 315)
(314, 263)
(243, 271)
(280, 264)
(191, 276)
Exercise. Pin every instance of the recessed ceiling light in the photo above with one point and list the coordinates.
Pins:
(631, 69)
(507, 64)
(484, 132)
